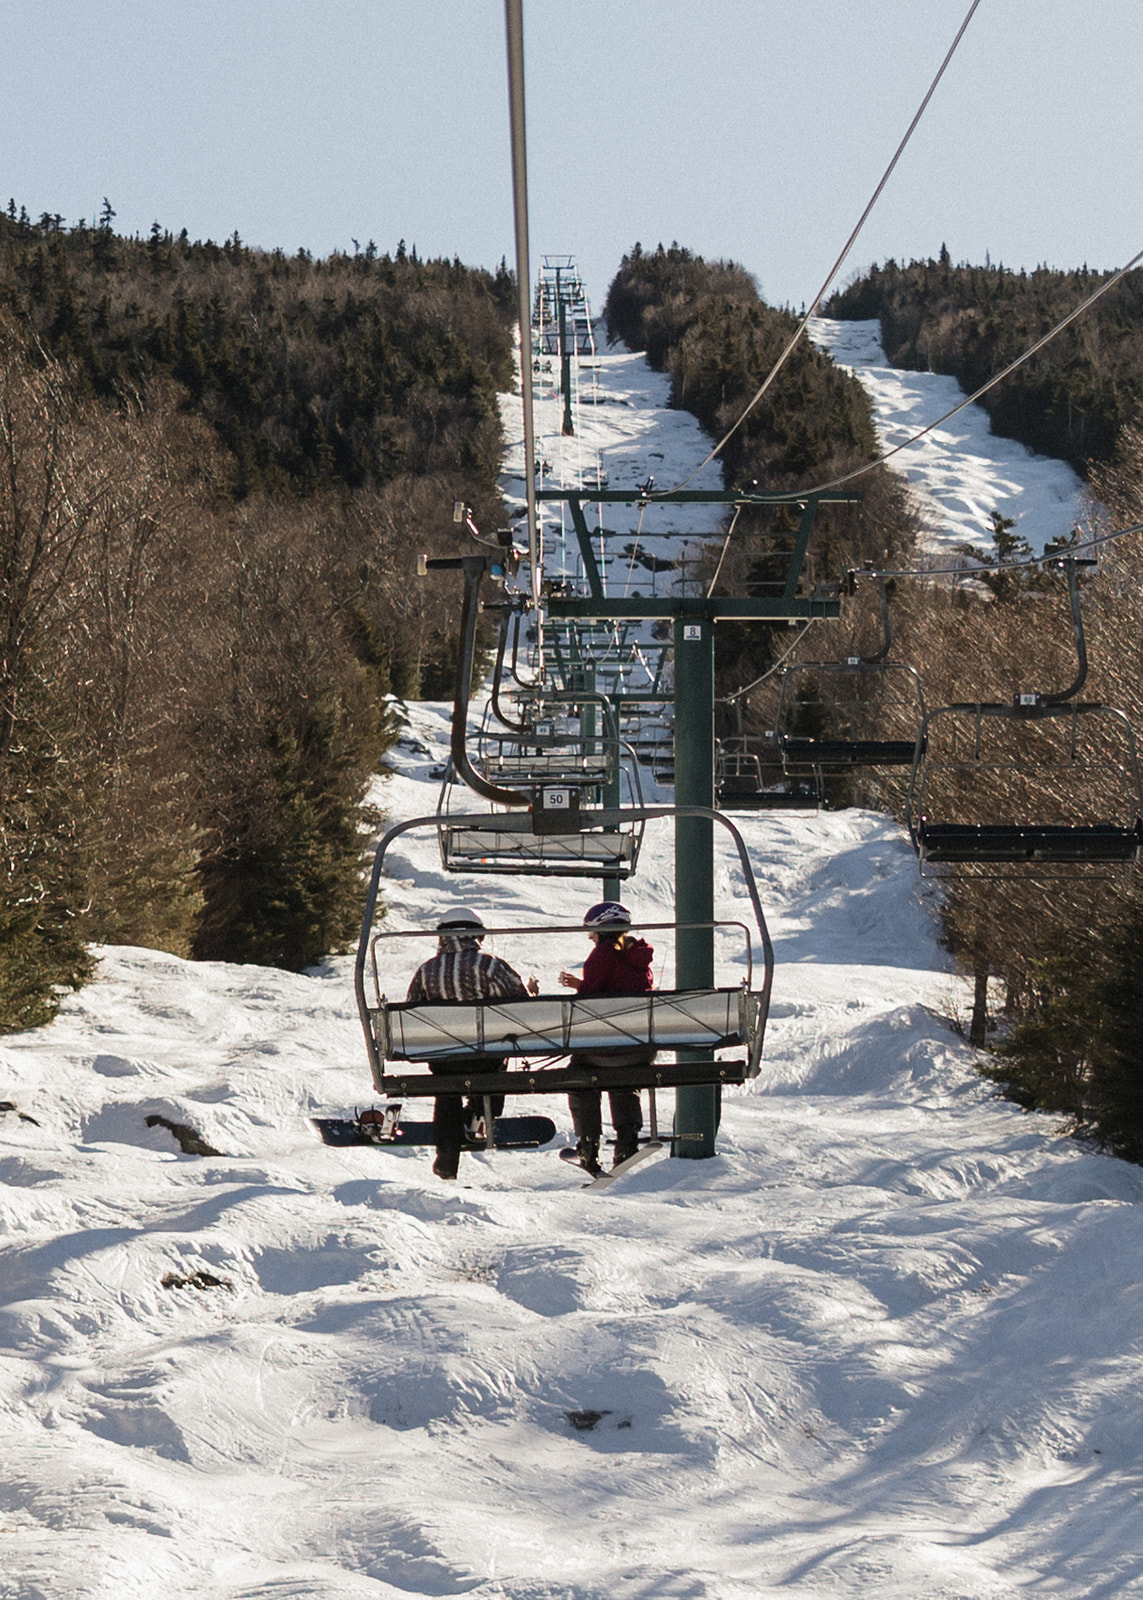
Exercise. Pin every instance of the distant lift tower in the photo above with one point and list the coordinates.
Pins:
(561, 323)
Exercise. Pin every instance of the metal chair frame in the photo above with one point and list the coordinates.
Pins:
(692, 1022)
(1030, 846)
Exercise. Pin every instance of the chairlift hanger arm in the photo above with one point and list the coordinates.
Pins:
(1069, 563)
(474, 568)
(886, 625)
(510, 618)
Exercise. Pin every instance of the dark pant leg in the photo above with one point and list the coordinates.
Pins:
(626, 1111)
(587, 1120)
(448, 1110)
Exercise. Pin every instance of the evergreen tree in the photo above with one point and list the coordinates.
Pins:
(1115, 1049)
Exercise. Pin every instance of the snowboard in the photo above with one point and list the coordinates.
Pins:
(603, 1179)
(509, 1133)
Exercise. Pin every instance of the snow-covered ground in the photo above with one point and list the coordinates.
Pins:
(885, 1341)
(961, 472)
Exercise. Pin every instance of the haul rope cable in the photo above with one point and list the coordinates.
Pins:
(725, 548)
(836, 268)
(1047, 559)
(729, 699)
(514, 22)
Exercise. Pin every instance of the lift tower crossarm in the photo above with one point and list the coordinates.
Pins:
(809, 503)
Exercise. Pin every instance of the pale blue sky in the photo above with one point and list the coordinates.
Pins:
(751, 129)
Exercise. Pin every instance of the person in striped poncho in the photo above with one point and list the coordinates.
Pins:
(460, 970)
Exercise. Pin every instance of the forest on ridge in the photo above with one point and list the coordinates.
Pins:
(1072, 399)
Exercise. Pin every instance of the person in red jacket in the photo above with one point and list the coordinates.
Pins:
(618, 964)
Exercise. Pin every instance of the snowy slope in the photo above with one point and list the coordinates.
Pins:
(961, 472)
(885, 1340)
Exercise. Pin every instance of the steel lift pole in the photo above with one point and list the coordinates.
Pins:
(693, 619)
(696, 1107)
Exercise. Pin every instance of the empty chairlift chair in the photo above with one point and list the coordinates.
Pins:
(862, 711)
(1025, 789)
(749, 775)
(513, 842)
(1040, 786)
(573, 773)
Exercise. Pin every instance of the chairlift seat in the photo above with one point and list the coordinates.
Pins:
(1004, 842)
(755, 799)
(553, 1026)
(798, 752)
(654, 1074)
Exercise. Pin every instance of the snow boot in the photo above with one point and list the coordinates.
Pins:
(588, 1152)
(626, 1144)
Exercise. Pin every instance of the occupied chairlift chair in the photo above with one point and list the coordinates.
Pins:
(693, 1024)
(1043, 786)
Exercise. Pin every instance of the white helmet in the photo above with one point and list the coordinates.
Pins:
(462, 920)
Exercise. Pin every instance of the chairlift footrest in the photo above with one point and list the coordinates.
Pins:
(558, 1080)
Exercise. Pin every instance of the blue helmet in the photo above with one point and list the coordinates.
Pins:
(608, 916)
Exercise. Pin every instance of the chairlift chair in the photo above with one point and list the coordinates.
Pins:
(883, 726)
(1028, 789)
(749, 776)
(511, 842)
(695, 1025)
(867, 709)
(1043, 785)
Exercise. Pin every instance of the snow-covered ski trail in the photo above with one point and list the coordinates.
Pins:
(886, 1339)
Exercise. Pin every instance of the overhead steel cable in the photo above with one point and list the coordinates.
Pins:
(514, 23)
(849, 243)
(1026, 565)
(729, 699)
